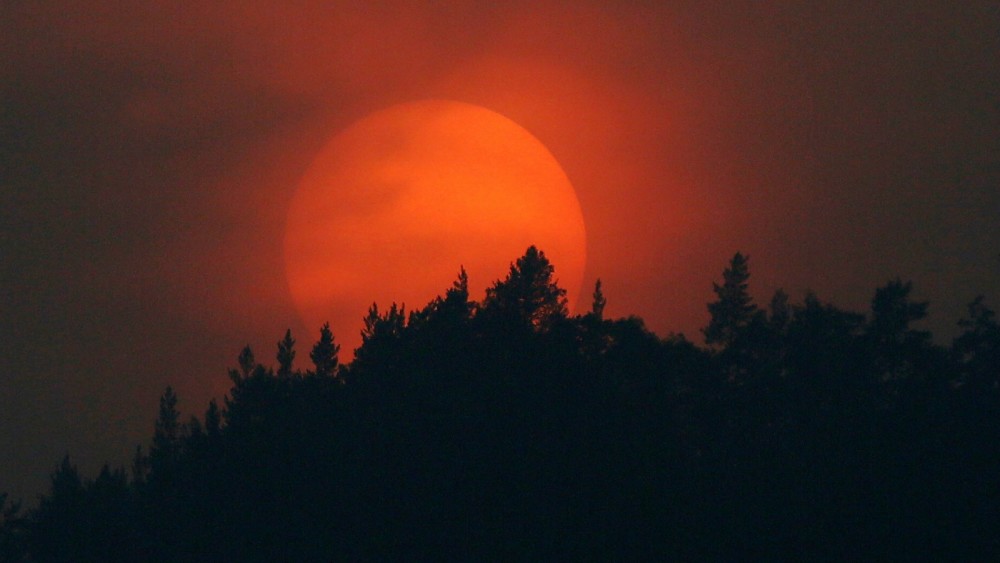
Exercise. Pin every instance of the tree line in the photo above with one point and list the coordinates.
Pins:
(509, 429)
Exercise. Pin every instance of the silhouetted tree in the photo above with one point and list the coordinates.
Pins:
(736, 326)
(733, 310)
(383, 326)
(892, 313)
(529, 294)
(824, 341)
(897, 345)
(286, 354)
(324, 353)
(246, 363)
(510, 430)
(779, 312)
(771, 343)
(140, 467)
(255, 391)
(111, 516)
(59, 527)
(456, 304)
(597, 308)
(977, 349)
(213, 419)
(381, 340)
(167, 435)
(13, 531)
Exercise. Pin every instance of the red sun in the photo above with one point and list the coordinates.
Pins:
(395, 204)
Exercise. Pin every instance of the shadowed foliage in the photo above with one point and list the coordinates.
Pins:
(509, 429)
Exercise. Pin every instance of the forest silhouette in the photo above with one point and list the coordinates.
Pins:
(509, 429)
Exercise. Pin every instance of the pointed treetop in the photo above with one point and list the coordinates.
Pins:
(893, 311)
(246, 361)
(324, 353)
(167, 424)
(390, 324)
(779, 312)
(459, 290)
(167, 434)
(456, 299)
(65, 481)
(597, 308)
(213, 418)
(528, 292)
(286, 354)
(247, 365)
(980, 317)
(733, 309)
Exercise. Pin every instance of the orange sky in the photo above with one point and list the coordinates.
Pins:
(149, 152)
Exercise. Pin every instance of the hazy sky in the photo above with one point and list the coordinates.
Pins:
(148, 153)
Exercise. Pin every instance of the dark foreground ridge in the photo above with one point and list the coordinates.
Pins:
(507, 429)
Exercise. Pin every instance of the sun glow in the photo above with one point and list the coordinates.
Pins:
(396, 203)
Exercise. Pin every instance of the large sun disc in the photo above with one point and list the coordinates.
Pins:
(393, 205)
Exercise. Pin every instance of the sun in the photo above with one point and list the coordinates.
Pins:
(395, 204)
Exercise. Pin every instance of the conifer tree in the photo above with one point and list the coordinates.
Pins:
(247, 364)
(166, 436)
(456, 298)
(59, 529)
(733, 311)
(324, 353)
(780, 313)
(389, 325)
(977, 349)
(286, 354)
(213, 419)
(13, 530)
(529, 294)
(597, 309)
(892, 313)
(896, 345)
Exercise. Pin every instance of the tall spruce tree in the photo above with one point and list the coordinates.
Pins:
(597, 308)
(529, 294)
(286, 354)
(167, 435)
(324, 353)
(733, 311)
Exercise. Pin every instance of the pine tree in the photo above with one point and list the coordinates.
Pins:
(213, 419)
(734, 310)
(780, 313)
(286, 354)
(451, 310)
(597, 308)
(456, 299)
(896, 345)
(166, 436)
(528, 295)
(977, 349)
(324, 353)
(892, 313)
(247, 364)
(379, 327)
(59, 529)
(13, 529)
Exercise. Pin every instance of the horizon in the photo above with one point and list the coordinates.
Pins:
(152, 153)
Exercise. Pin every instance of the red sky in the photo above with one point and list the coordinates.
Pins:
(148, 154)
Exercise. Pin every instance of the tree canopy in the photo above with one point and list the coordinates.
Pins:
(511, 429)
